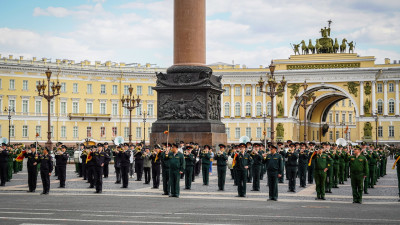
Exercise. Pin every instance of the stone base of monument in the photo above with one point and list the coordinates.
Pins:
(202, 138)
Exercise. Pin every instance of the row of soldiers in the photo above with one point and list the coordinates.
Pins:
(8, 163)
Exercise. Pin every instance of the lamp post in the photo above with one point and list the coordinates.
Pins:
(129, 102)
(342, 124)
(376, 128)
(273, 91)
(265, 129)
(9, 111)
(55, 89)
(304, 103)
(144, 125)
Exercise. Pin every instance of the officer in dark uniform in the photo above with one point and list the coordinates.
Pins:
(176, 163)
(303, 163)
(117, 164)
(84, 167)
(32, 157)
(257, 159)
(46, 167)
(195, 153)
(205, 163)
(242, 161)
(155, 158)
(190, 160)
(249, 148)
(221, 157)
(274, 165)
(197, 166)
(99, 157)
(282, 152)
(90, 166)
(165, 169)
(124, 157)
(310, 169)
(107, 151)
(139, 159)
(291, 167)
(61, 165)
(3, 164)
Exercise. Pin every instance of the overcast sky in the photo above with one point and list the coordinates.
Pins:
(250, 32)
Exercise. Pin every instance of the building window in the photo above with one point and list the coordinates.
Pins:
(12, 131)
(1, 84)
(237, 91)
(337, 118)
(337, 135)
(126, 89)
(227, 90)
(114, 131)
(89, 107)
(237, 109)
(379, 87)
(75, 88)
(102, 108)
(380, 131)
(114, 89)
(237, 132)
(350, 118)
(11, 104)
(330, 117)
(12, 84)
(248, 132)
(102, 132)
(258, 132)
(63, 132)
(89, 132)
(126, 111)
(258, 109)
(75, 107)
(138, 132)
(139, 90)
(102, 89)
(52, 131)
(139, 110)
(38, 106)
(25, 106)
(38, 131)
(63, 107)
(331, 135)
(317, 133)
(269, 108)
(115, 109)
(391, 87)
(75, 132)
(380, 106)
(343, 117)
(268, 132)
(349, 103)
(149, 90)
(228, 132)
(63, 87)
(227, 109)
(248, 91)
(126, 132)
(391, 106)
(343, 103)
(248, 109)
(24, 131)
(150, 110)
(258, 91)
(89, 89)
(25, 85)
(391, 131)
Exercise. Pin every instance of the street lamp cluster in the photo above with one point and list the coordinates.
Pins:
(9, 111)
(304, 99)
(129, 102)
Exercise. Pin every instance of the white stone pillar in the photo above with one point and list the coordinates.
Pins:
(253, 100)
(232, 100)
(243, 103)
(385, 98)
(397, 99)
(361, 98)
(373, 97)
(222, 112)
(264, 101)
(285, 102)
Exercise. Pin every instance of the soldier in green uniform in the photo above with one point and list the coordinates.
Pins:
(256, 156)
(335, 157)
(364, 149)
(329, 173)
(221, 157)
(242, 161)
(15, 163)
(291, 167)
(205, 157)
(342, 164)
(346, 162)
(189, 162)
(282, 152)
(10, 163)
(176, 163)
(372, 167)
(358, 170)
(165, 169)
(274, 165)
(383, 162)
(320, 169)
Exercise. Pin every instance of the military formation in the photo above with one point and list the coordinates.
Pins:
(328, 165)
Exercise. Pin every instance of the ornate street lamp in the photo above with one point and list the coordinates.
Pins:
(129, 102)
(304, 103)
(144, 125)
(273, 91)
(9, 111)
(55, 91)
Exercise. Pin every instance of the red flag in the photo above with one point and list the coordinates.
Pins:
(234, 160)
(309, 162)
(37, 134)
(20, 157)
(347, 129)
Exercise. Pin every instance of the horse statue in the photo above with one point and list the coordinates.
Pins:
(318, 47)
(329, 46)
(351, 47)
(304, 48)
(311, 47)
(336, 46)
(343, 46)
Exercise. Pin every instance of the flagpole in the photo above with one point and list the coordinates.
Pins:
(167, 136)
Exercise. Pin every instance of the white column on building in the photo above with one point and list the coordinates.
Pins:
(397, 98)
(232, 100)
(385, 98)
(243, 103)
(361, 98)
(285, 102)
(222, 112)
(373, 97)
(253, 100)
(264, 102)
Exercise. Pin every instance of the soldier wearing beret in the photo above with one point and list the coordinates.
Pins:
(61, 165)
(274, 165)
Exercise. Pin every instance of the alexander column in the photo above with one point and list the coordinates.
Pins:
(189, 95)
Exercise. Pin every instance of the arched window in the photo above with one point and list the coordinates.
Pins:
(227, 109)
(237, 109)
(258, 108)
(248, 109)
(269, 108)
(380, 106)
(391, 106)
